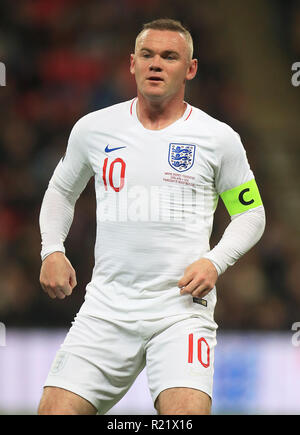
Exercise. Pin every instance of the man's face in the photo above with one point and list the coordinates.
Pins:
(161, 64)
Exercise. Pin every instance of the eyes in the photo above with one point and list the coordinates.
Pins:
(166, 56)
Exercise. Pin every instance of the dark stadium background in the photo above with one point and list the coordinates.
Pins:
(65, 58)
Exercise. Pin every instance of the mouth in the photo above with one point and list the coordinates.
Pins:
(155, 79)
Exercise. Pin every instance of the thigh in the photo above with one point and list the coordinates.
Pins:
(181, 358)
(183, 401)
(99, 360)
(57, 401)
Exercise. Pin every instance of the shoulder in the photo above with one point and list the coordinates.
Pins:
(101, 118)
(219, 130)
(224, 140)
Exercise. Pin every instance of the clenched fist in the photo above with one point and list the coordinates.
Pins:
(57, 277)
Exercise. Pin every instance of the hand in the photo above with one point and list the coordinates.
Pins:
(57, 277)
(199, 278)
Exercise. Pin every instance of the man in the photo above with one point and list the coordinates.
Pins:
(152, 295)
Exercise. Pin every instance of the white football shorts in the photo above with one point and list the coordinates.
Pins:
(100, 358)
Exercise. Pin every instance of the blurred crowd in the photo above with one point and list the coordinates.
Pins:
(65, 58)
(287, 24)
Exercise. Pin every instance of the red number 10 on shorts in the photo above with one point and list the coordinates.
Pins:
(202, 349)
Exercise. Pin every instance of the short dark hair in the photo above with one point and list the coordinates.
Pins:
(173, 26)
(165, 24)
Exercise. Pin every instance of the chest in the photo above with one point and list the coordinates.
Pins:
(126, 160)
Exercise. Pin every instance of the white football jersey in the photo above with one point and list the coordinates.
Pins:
(156, 191)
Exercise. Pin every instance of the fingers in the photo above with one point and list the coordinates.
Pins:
(199, 278)
(55, 291)
(59, 290)
(72, 280)
(49, 292)
(185, 280)
(197, 288)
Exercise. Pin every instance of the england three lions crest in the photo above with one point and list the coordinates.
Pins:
(181, 156)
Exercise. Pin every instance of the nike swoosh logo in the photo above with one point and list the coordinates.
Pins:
(109, 150)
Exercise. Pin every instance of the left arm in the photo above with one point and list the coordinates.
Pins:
(235, 183)
(243, 232)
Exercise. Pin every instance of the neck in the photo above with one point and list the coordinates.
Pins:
(156, 115)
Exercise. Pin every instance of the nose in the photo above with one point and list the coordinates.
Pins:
(155, 64)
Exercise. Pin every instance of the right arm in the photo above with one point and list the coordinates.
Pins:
(70, 177)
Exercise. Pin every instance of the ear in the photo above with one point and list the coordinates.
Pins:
(192, 69)
(132, 64)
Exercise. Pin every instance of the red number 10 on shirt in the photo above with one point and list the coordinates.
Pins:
(110, 174)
